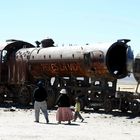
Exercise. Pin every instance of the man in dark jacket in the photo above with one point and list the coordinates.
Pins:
(40, 96)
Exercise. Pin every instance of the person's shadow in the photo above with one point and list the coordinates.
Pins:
(72, 124)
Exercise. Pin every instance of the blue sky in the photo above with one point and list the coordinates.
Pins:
(71, 21)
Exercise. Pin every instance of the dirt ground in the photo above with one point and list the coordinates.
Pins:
(18, 124)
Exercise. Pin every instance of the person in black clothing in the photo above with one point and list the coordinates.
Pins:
(40, 97)
(64, 113)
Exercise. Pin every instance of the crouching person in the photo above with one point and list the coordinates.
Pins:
(64, 113)
(40, 96)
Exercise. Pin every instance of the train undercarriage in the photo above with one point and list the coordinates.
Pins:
(93, 93)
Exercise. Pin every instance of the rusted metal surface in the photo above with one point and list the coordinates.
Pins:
(24, 64)
(11, 71)
(60, 68)
(91, 61)
(23, 61)
(78, 66)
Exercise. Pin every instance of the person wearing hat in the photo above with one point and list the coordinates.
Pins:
(64, 113)
(40, 97)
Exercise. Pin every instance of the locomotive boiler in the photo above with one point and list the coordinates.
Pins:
(99, 60)
(84, 70)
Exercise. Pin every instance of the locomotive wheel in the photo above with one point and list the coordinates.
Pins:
(124, 106)
(108, 105)
(24, 97)
(134, 107)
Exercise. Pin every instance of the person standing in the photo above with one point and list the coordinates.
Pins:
(64, 113)
(77, 110)
(40, 97)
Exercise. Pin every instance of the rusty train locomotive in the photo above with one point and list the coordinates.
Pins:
(89, 71)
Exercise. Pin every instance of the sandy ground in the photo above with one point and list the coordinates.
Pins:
(18, 124)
